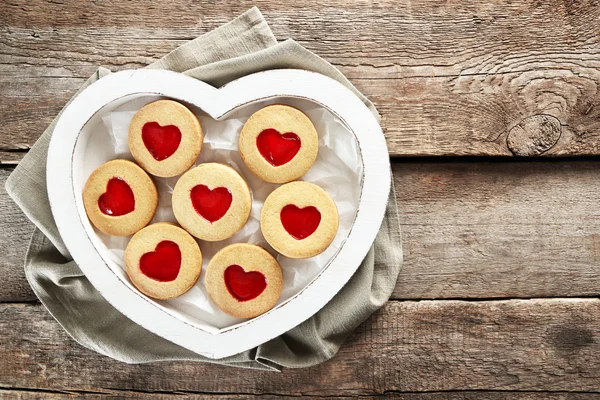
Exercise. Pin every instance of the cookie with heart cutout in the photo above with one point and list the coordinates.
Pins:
(165, 138)
(279, 143)
(163, 261)
(212, 201)
(244, 280)
(299, 220)
(120, 198)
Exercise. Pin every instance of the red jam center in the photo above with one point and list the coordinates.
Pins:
(300, 223)
(161, 141)
(162, 264)
(277, 148)
(244, 285)
(211, 205)
(118, 199)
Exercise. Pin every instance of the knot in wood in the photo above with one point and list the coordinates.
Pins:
(534, 135)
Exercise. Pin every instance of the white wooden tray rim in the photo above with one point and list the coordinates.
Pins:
(218, 103)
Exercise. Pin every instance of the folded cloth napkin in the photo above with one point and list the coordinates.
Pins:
(240, 47)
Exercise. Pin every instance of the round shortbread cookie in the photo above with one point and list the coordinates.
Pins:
(244, 280)
(212, 201)
(165, 138)
(299, 220)
(279, 143)
(163, 261)
(120, 198)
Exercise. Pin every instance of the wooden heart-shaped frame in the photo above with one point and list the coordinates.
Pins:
(65, 155)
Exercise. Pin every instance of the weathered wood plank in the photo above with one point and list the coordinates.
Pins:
(405, 347)
(15, 232)
(459, 395)
(470, 230)
(11, 158)
(449, 78)
(486, 230)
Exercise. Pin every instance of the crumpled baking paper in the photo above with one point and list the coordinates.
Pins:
(338, 170)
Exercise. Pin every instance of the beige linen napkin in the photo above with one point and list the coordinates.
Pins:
(240, 47)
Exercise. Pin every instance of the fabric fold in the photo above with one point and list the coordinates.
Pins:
(242, 46)
(244, 35)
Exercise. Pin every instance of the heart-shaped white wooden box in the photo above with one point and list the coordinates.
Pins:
(64, 165)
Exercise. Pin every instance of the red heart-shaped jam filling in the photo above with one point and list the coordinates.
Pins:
(161, 141)
(300, 223)
(118, 199)
(244, 285)
(212, 205)
(277, 148)
(162, 264)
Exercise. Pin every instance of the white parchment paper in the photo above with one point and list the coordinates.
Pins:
(338, 170)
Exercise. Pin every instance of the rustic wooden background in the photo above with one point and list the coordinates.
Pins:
(490, 109)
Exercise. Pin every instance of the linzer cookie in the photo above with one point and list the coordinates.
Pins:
(163, 261)
(244, 280)
(120, 198)
(299, 220)
(279, 143)
(212, 201)
(165, 138)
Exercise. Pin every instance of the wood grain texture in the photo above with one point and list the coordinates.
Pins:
(450, 78)
(470, 230)
(405, 347)
(11, 157)
(15, 232)
(457, 395)
(499, 229)
(491, 78)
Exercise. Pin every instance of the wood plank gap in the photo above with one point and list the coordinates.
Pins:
(49, 391)
(36, 302)
(488, 159)
(107, 391)
(488, 391)
(14, 156)
(484, 299)
(31, 301)
(111, 392)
